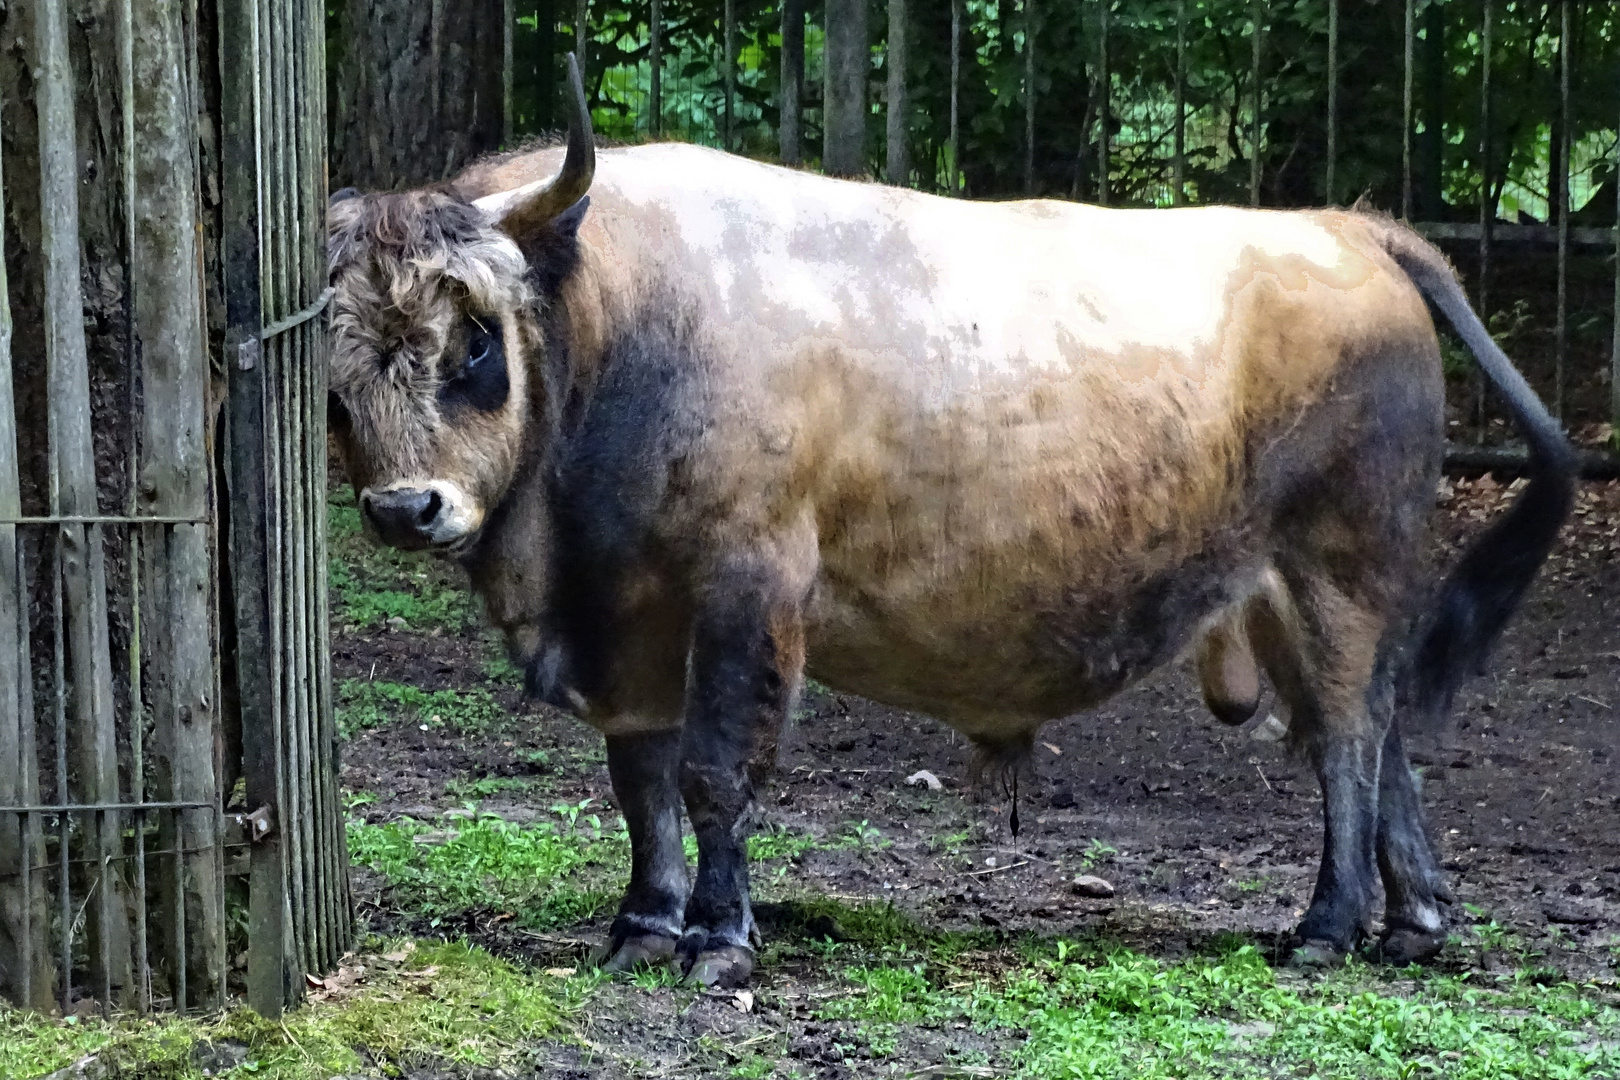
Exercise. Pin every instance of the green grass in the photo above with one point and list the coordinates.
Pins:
(442, 1003)
(1080, 1010)
(487, 786)
(366, 704)
(547, 874)
(375, 587)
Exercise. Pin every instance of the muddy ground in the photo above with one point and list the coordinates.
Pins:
(1210, 829)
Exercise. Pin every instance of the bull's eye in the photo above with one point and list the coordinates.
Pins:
(480, 381)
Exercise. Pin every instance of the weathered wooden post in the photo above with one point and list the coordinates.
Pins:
(1332, 102)
(1104, 93)
(899, 170)
(1558, 161)
(729, 68)
(956, 87)
(1408, 36)
(1258, 17)
(1029, 96)
(1179, 162)
(655, 55)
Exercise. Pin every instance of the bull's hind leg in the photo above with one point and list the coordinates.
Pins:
(1321, 650)
(747, 656)
(1414, 888)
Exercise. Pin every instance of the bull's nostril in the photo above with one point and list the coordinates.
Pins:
(429, 513)
(404, 517)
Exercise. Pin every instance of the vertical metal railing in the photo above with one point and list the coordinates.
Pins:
(275, 296)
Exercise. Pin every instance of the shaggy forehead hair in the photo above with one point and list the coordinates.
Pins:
(407, 268)
(392, 255)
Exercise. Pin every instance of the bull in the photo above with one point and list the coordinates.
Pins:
(693, 423)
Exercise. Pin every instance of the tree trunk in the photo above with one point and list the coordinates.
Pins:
(848, 61)
(899, 170)
(792, 80)
(419, 91)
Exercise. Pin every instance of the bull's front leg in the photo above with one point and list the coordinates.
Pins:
(650, 921)
(747, 654)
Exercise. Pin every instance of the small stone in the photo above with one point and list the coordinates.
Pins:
(1092, 885)
(1062, 799)
(924, 778)
(1270, 729)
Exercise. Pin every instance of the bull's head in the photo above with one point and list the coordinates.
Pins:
(437, 342)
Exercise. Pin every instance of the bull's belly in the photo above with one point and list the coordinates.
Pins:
(1024, 652)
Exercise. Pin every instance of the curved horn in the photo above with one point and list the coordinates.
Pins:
(527, 208)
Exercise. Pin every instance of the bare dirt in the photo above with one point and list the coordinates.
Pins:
(1210, 829)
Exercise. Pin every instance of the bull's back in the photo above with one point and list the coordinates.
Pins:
(1028, 434)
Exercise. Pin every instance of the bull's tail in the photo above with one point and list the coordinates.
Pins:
(1482, 591)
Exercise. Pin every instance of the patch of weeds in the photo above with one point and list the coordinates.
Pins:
(375, 587)
(1096, 853)
(541, 758)
(657, 977)
(861, 836)
(368, 703)
(1254, 885)
(446, 1003)
(486, 787)
(779, 842)
(753, 1067)
(353, 800)
(548, 874)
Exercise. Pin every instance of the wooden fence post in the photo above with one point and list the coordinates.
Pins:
(899, 171)
(23, 905)
(787, 130)
(172, 481)
(83, 579)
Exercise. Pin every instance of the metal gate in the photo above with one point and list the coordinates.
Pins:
(170, 834)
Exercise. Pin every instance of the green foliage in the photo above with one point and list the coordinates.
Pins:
(779, 842)
(548, 874)
(366, 704)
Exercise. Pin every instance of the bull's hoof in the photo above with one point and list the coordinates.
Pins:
(1402, 945)
(639, 950)
(1315, 953)
(726, 968)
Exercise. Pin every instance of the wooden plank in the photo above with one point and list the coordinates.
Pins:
(1545, 236)
(73, 483)
(26, 970)
(173, 479)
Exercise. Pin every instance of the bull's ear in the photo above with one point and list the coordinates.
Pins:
(529, 211)
(568, 222)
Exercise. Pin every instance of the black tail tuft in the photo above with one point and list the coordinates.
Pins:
(1484, 589)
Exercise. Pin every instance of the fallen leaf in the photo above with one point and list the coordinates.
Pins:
(1052, 748)
(743, 1001)
(560, 973)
